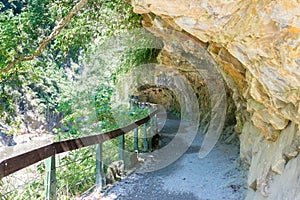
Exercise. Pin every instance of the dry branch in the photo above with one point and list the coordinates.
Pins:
(54, 33)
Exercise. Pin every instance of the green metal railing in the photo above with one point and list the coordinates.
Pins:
(48, 152)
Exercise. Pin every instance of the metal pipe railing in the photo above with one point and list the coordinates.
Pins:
(48, 152)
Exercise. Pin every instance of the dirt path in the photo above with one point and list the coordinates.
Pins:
(214, 177)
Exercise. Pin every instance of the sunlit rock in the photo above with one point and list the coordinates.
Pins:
(256, 45)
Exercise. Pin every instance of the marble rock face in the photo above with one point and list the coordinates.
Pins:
(256, 45)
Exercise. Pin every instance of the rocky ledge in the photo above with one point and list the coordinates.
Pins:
(255, 45)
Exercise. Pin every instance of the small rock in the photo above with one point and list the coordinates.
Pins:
(279, 166)
(7, 140)
(292, 154)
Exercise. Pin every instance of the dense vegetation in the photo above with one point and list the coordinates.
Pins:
(36, 83)
(44, 45)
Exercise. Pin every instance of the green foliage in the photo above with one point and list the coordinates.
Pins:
(31, 190)
(138, 57)
(36, 90)
(104, 109)
(71, 170)
(45, 80)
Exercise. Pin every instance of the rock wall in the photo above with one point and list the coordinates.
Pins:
(256, 46)
(172, 64)
(160, 95)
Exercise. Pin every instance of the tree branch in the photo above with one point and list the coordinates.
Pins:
(54, 33)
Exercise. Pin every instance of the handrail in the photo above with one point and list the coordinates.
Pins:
(13, 164)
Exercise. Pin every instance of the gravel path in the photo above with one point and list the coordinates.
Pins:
(215, 177)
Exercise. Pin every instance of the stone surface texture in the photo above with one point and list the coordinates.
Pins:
(255, 45)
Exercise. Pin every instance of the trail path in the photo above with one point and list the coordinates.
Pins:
(215, 177)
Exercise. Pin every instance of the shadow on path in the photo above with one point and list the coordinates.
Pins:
(217, 176)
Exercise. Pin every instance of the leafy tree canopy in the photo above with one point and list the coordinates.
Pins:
(39, 42)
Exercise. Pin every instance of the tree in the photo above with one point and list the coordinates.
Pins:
(39, 41)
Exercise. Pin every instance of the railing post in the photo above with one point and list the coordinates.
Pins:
(131, 104)
(50, 181)
(155, 124)
(121, 152)
(135, 142)
(151, 135)
(146, 148)
(122, 147)
(100, 175)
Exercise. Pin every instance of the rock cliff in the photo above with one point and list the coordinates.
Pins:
(255, 45)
